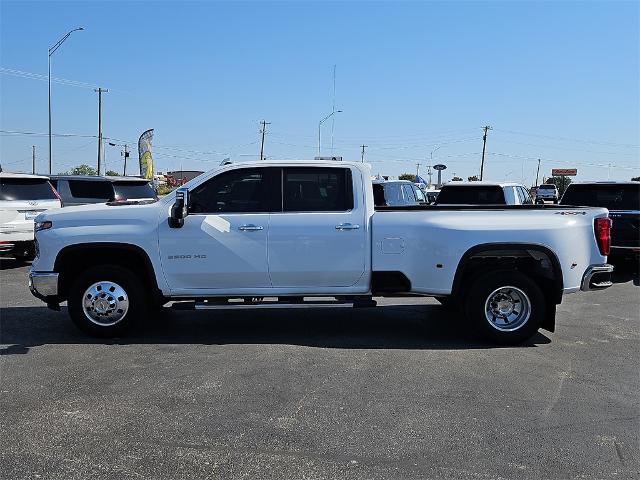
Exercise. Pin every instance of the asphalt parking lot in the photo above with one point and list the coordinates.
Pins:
(394, 392)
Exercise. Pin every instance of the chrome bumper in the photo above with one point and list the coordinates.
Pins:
(597, 277)
(43, 284)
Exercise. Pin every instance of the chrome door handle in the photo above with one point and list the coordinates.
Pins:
(347, 226)
(249, 228)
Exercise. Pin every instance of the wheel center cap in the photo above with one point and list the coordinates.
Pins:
(102, 306)
(505, 306)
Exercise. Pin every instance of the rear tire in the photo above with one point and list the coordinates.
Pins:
(107, 301)
(505, 306)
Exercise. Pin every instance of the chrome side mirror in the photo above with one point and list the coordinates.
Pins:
(180, 208)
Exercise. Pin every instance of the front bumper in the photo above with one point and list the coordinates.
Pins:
(597, 277)
(44, 285)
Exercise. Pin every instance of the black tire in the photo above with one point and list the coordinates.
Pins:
(514, 284)
(138, 301)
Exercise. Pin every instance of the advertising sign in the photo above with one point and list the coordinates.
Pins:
(144, 153)
(564, 172)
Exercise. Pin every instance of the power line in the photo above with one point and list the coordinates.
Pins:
(568, 139)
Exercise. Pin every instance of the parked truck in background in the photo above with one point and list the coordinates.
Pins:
(283, 234)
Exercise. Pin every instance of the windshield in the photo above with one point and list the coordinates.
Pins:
(547, 187)
(471, 195)
(131, 190)
(26, 189)
(613, 197)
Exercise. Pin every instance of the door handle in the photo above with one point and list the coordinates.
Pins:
(347, 226)
(249, 228)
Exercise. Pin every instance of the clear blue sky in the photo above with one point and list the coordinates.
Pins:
(557, 81)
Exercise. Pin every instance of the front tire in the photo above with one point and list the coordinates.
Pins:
(505, 306)
(107, 301)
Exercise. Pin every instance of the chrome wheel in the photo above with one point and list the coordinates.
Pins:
(507, 309)
(105, 303)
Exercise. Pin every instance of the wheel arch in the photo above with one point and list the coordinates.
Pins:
(518, 256)
(74, 258)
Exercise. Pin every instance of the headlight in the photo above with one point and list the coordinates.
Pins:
(37, 226)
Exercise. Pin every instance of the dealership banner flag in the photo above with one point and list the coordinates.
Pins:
(144, 153)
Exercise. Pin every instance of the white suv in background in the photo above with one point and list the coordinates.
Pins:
(22, 198)
(547, 191)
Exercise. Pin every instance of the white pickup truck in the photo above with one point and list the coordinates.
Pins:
(286, 234)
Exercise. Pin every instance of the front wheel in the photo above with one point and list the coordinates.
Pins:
(107, 301)
(505, 306)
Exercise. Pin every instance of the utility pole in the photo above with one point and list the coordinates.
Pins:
(33, 159)
(429, 173)
(537, 173)
(126, 155)
(100, 90)
(263, 131)
(417, 169)
(484, 146)
(363, 146)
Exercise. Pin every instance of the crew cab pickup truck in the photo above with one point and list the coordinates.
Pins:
(284, 234)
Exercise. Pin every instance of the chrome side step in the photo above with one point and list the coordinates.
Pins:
(215, 304)
(270, 305)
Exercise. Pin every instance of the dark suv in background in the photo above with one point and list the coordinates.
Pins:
(84, 189)
(623, 201)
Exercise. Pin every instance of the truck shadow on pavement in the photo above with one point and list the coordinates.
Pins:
(412, 327)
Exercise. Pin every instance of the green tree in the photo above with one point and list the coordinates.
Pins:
(83, 170)
(407, 176)
(473, 178)
(559, 183)
(635, 179)
(456, 179)
(111, 173)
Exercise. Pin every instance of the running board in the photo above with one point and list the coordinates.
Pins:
(269, 305)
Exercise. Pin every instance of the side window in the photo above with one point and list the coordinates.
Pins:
(393, 194)
(408, 194)
(510, 196)
(97, 190)
(311, 189)
(419, 195)
(526, 198)
(236, 191)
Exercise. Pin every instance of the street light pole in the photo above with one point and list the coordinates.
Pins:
(320, 125)
(51, 52)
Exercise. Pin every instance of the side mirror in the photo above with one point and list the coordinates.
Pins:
(180, 208)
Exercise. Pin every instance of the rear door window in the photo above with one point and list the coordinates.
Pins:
(419, 195)
(310, 189)
(93, 189)
(26, 189)
(613, 197)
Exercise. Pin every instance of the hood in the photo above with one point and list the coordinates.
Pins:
(104, 213)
